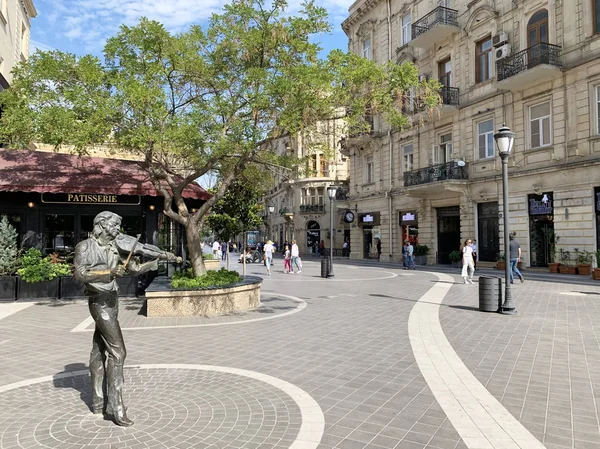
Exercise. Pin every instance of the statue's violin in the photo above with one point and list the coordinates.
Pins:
(127, 243)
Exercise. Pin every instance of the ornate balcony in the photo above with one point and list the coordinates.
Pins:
(533, 65)
(434, 173)
(312, 209)
(449, 96)
(434, 27)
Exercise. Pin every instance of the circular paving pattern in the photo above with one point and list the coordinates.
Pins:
(193, 406)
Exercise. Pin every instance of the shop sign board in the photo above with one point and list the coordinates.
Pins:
(541, 204)
(369, 219)
(90, 198)
(408, 218)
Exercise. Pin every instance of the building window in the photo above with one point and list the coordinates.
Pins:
(485, 139)
(596, 11)
(483, 60)
(408, 157)
(406, 30)
(539, 125)
(320, 195)
(369, 169)
(443, 152)
(366, 50)
(598, 110)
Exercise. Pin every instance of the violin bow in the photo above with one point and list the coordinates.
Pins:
(131, 252)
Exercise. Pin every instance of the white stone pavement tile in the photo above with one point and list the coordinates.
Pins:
(480, 420)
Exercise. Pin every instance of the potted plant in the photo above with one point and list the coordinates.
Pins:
(566, 263)
(584, 261)
(552, 239)
(39, 277)
(420, 253)
(9, 260)
(596, 271)
(211, 262)
(500, 262)
(455, 257)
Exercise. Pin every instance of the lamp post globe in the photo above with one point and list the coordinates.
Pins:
(271, 208)
(505, 140)
(331, 192)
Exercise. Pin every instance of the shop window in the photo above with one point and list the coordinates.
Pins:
(59, 234)
(405, 35)
(408, 157)
(483, 60)
(539, 125)
(485, 139)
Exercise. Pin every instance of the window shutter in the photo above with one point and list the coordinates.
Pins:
(435, 155)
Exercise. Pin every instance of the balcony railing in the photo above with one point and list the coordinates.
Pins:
(449, 95)
(439, 16)
(433, 173)
(541, 53)
(312, 208)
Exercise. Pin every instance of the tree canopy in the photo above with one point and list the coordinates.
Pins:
(204, 100)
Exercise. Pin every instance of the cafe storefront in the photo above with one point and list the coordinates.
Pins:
(52, 200)
(541, 228)
(597, 209)
(370, 224)
(409, 222)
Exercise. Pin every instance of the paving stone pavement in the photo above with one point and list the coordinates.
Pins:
(348, 349)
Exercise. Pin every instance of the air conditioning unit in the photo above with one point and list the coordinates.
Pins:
(502, 52)
(500, 39)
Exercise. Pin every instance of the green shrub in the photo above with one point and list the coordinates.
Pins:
(9, 252)
(208, 256)
(421, 250)
(185, 279)
(36, 268)
(455, 256)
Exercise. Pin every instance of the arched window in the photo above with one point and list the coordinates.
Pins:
(537, 28)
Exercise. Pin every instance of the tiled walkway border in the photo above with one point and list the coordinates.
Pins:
(478, 417)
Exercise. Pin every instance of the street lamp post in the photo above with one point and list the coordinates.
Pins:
(505, 140)
(271, 210)
(331, 192)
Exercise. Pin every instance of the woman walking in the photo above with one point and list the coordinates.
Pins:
(287, 260)
(467, 257)
(269, 249)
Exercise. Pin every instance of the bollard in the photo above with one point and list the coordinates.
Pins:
(324, 267)
(490, 294)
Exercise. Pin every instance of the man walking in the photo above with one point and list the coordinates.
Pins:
(474, 248)
(409, 254)
(515, 257)
(296, 257)
(268, 257)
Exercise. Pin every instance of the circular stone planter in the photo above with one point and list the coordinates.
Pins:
(164, 301)
(212, 264)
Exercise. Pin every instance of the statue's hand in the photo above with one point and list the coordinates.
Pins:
(117, 272)
(178, 260)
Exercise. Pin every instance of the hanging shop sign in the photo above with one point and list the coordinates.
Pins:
(541, 204)
(408, 218)
(370, 219)
(89, 198)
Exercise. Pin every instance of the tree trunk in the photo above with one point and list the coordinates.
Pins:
(195, 248)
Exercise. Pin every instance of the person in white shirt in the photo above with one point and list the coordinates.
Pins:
(411, 258)
(216, 247)
(467, 255)
(474, 248)
(269, 249)
(296, 257)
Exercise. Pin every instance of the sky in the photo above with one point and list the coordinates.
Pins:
(82, 26)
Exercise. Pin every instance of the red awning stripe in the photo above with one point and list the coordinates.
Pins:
(38, 171)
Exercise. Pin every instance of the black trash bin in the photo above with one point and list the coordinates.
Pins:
(490, 294)
(324, 267)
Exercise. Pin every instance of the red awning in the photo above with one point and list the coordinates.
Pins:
(39, 171)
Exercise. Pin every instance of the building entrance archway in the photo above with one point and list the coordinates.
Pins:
(313, 236)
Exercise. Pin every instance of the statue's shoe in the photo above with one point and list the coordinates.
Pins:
(122, 420)
(98, 406)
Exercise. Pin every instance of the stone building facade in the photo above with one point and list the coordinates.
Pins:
(15, 25)
(299, 198)
(532, 64)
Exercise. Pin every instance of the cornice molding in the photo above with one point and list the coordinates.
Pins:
(366, 7)
(483, 13)
(30, 8)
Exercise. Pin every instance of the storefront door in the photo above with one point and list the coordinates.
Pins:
(313, 236)
(541, 229)
(448, 224)
(367, 241)
(488, 231)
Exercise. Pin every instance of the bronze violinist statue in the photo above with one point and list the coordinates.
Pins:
(99, 261)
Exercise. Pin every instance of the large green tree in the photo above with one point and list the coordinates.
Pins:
(202, 101)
